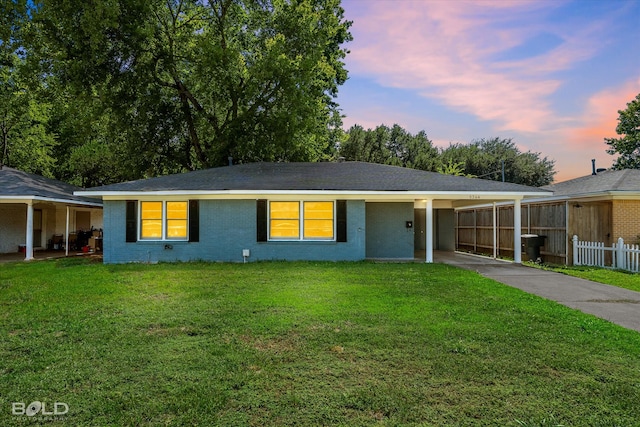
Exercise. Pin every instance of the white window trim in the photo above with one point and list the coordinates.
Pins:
(163, 220)
(301, 223)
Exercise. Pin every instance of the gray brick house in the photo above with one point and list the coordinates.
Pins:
(290, 211)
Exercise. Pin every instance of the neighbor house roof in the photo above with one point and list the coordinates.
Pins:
(311, 177)
(16, 185)
(606, 182)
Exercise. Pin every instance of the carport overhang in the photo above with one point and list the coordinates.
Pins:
(30, 201)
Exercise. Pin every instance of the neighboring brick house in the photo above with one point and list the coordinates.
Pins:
(291, 211)
(600, 207)
(626, 220)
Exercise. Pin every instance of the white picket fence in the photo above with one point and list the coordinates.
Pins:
(622, 256)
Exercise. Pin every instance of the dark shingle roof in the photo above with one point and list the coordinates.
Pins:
(341, 176)
(19, 184)
(627, 180)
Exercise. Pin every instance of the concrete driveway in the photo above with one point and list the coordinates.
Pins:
(617, 305)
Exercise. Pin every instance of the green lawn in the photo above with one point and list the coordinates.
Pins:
(620, 278)
(270, 344)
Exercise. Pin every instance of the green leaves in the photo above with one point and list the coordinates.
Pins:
(25, 140)
(393, 146)
(252, 80)
(628, 145)
(483, 158)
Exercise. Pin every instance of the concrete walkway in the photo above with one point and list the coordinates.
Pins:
(617, 305)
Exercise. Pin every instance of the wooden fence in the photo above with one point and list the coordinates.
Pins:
(619, 255)
(475, 229)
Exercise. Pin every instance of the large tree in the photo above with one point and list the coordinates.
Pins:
(484, 158)
(627, 147)
(25, 140)
(185, 84)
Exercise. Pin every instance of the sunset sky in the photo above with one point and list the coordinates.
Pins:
(550, 74)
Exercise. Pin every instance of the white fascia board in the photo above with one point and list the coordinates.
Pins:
(600, 195)
(508, 203)
(27, 199)
(373, 195)
(16, 199)
(628, 195)
(584, 197)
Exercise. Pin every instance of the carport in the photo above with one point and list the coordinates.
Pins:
(34, 210)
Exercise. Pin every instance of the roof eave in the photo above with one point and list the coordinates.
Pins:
(471, 195)
(27, 198)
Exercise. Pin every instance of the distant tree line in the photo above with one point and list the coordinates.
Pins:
(482, 158)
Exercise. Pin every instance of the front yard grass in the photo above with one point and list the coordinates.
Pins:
(303, 344)
(619, 278)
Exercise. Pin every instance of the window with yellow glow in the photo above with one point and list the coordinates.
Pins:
(285, 220)
(318, 220)
(151, 220)
(164, 220)
(177, 213)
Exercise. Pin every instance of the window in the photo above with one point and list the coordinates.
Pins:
(177, 220)
(315, 221)
(318, 220)
(164, 220)
(151, 220)
(285, 220)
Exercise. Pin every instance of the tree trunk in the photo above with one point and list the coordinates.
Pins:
(193, 133)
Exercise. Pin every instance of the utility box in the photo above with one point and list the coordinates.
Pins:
(531, 244)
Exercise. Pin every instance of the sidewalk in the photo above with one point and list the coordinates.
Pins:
(617, 305)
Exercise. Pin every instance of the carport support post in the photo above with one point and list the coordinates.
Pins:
(495, 237)
(66, 235)
(517, 230)
(429, 231)
(29, 237)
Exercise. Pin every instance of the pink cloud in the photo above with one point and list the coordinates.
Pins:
(600, 117)
(445, 50)
(575, 141)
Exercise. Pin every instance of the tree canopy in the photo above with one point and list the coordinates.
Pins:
(483, 158)
(160, 86)
(628, 145)
(392, 146)
(25, 140)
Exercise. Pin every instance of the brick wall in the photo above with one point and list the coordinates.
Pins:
(387, 235)
(226, 228)
(626, 220)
